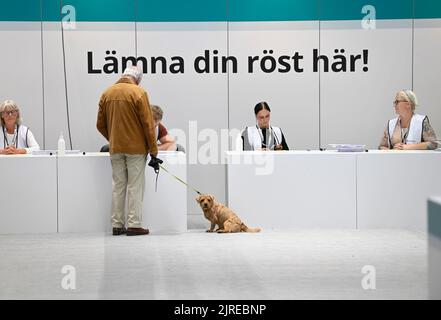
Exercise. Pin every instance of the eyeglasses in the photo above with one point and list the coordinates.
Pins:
(10, 113)
(398, 101)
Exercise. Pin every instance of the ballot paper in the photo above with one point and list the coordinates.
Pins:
(349, 147)
(50, 152)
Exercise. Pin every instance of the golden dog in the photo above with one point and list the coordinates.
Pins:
(220, 215)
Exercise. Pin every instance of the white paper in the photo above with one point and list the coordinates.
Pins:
(349, 147)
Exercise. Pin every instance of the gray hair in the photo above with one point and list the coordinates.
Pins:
(133, 72)
(9, 105)
(410, 97)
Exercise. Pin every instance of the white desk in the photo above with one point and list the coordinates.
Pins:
(85, 192)
(393, 188)
(313, 189)
(301, 189)
(434, 226)
(28, 194)
(166, 210)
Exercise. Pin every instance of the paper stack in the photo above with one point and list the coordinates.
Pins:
(349, 147)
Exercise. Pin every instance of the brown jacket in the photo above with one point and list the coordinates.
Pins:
(125, 119)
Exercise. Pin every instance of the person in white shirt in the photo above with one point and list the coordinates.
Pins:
(15, 138)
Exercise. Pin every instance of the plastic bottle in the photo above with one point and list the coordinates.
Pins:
(61, 145)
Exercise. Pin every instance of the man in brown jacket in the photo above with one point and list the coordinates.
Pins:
(125, 120)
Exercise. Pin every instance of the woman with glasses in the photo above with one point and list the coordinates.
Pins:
(14, 137)
(408, 131)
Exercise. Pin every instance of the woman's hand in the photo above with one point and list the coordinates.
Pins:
(12, 150)
(402, 146)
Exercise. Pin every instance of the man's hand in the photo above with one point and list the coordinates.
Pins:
(155, 162)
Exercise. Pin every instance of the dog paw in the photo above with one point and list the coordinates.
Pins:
(209, 231)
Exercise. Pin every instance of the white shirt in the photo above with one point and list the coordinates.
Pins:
(26, 139)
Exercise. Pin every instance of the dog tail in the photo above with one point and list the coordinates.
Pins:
(244, 228)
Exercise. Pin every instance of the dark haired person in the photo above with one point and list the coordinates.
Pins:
(263, 136)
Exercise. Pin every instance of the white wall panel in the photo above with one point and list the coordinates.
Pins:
(427, 70)
(84, 89)
(55, 115)
(190, 96)
(21, 70)
(355, 107)
(292, 96)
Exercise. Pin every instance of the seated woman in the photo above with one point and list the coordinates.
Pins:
(408, 131)
(14, 137)
(165, 141)
(263, 136)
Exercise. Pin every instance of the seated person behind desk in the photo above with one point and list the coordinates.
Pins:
(263, 136)
(165, 142)
(14, 137)
(408, 131)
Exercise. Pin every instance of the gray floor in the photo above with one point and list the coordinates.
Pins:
(274, 264)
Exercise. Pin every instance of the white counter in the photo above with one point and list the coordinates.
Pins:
(72, 193)
(393, 188)
(84, 192)
(293, 189)
(315, 189)
(28, 194)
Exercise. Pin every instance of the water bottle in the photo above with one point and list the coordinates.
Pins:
(61, 145)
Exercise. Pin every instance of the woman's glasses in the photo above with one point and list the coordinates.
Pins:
(10, 113)
(398, 101)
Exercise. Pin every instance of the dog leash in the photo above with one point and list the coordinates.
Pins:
(177, 178)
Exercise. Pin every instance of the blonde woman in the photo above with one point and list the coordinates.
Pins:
(15, 138)
(408, 131)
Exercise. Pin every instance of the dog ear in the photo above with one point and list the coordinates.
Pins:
(212, 198)
(198, 199)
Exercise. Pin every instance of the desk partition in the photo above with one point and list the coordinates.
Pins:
(329, 189)
(28, 194)
(72, 193)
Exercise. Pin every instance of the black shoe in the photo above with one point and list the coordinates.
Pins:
(137, 231)
(119, 231)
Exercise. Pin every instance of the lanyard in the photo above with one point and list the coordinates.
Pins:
(262, 138)
(14, 138)
(404, 138)
(269, 139)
